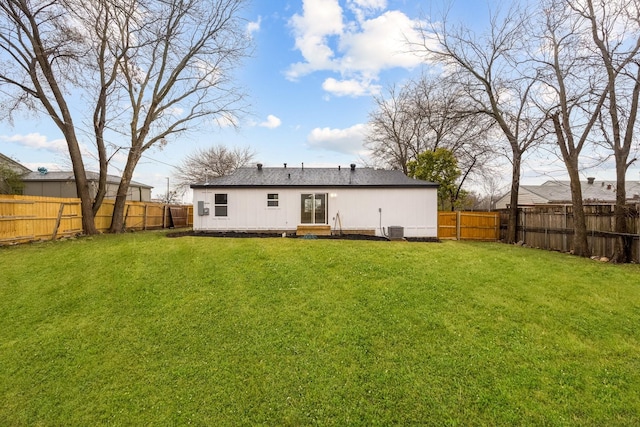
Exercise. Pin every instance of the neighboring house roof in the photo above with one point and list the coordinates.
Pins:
(55, 176)
(559, 192)
(13, 165)
(315, 177)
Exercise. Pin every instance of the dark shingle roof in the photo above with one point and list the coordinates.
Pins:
(69, 176)
(315, 177)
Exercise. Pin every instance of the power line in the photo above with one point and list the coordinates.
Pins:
(157, 161)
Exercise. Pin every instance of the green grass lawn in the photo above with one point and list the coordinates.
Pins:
(140, 329)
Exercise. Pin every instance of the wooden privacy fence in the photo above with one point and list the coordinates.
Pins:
(551, 227)
(28, 218)
(469, 225)
(31, 218)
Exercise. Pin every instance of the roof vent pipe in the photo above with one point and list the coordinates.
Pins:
(285, 165)
(590, 180)
(353, 167)
(338, 167)
(302, 165)
(259, 166)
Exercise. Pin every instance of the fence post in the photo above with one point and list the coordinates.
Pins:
(564, 228)
(144, 219)
(164, 216)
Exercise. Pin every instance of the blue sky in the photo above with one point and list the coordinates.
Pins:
(314, 68)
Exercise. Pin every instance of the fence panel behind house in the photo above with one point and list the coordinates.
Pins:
(31, 218)
(469, 225)
(179, 216)
(551, 227)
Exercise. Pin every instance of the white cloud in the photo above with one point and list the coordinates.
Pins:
(254, 27)
(370, 4)
(320, 20)
(362, 8)
(358, 48)
(351, 87)
(38, 142)
(272, 122)
(381, 43)
(346, 141)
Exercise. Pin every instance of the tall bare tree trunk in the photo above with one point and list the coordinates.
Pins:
(512, 225)
(623, 245)
(580, 241)
(82, 184)
(117, 219)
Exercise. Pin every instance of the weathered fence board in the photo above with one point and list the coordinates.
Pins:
(31, 218)
(551, 227)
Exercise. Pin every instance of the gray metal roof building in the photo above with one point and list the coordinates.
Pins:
(67, 176)
(62, 184)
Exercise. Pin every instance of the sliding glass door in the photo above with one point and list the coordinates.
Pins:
(313, 208)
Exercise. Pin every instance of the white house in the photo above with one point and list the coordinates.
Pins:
(317, 200)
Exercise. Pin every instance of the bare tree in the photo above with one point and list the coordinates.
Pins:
(424, 115)
(177, 74)
(565, 72)
(449, 122)
(583, 80)
(393, 129)
(614, 31)
(153, 70)
(101, 70)
(497, 82)
(203, 164)
(41, 50)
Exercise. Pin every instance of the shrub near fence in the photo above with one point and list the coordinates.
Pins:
(551, 227)
(31, 218)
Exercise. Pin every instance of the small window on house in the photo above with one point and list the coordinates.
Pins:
(272, 200)
(220, 205)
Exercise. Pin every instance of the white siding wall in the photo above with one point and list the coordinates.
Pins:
(413, 209)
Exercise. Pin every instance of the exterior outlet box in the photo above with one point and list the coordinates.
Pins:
(202, 211)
